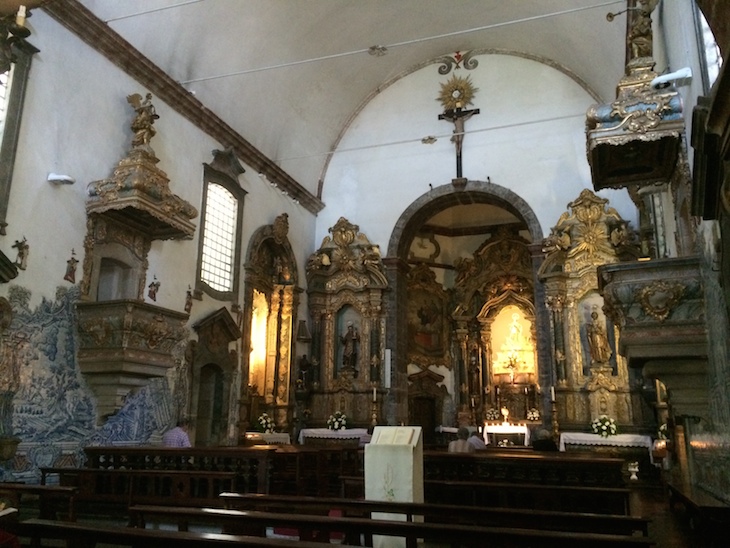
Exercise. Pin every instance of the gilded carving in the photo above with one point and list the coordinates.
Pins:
(659, 298)
(345, 282)
(138, 192)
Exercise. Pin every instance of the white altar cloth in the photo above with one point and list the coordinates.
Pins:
(618, 440)
(492, 431)
(347, 433)
(273, 438)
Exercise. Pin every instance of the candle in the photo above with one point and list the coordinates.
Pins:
(552, 393)
(375, 395)
(20, 18)
(472, 401)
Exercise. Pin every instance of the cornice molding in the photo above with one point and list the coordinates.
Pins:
(98, 35)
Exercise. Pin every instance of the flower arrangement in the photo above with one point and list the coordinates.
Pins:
(663, 432)
(604, 426)
(492, 414)
(265, 423)
(533, 414)
(337, 421)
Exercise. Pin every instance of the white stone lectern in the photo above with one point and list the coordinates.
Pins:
(394, 472)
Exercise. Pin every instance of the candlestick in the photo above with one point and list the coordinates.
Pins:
(20, 17)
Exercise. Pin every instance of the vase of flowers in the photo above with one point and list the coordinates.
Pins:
(604, 426)
(533, 414)
(265, 423)
(337, 421)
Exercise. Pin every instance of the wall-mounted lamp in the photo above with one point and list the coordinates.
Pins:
(58, 179)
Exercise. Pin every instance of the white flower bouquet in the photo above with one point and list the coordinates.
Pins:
(533, 414)
(337, 421)
(604, 426)
(266, 423)
(492, 414)
(663, 432)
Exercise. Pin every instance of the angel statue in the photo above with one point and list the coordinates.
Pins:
(142, 123)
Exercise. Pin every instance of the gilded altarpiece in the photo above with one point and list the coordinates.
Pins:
(270, 302)
(590, 377)
(496, 278)
(345, 283)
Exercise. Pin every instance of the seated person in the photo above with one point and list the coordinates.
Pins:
(544, 441)
(178, 436)
(477, 441)
(461, 444)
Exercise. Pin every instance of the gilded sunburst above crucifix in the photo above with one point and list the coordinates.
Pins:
(457, 93)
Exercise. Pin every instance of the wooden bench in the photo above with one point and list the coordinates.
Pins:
(80, 535)
(444, 513)
(565, 498)
(252, 465)
(118, 486)
(322, 528)
(533, 467)
(53, 501)
(706, 513)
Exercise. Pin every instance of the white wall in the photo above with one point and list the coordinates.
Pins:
(529, 137)
(76, 122)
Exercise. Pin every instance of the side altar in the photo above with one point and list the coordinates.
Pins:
(345, 282)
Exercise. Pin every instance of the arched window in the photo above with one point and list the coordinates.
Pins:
(219, 248)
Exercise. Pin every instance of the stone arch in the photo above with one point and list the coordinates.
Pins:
(406, 228)
(445, 196)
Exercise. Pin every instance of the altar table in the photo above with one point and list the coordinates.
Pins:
(272, 438)
(618, 440)
(360, 434)
(492, 432)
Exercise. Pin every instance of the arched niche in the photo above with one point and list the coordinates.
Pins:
(115, 263)
(213, 370)
(271, 298)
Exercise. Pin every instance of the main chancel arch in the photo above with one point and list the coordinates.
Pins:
(460, 257)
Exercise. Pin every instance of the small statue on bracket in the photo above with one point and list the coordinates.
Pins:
(152, 289)
(21, 261)
(70, 275)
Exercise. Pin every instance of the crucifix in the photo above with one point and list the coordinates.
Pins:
(456, 94)
(458, 116)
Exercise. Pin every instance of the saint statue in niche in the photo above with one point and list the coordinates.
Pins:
(350, 341)
(598, 344)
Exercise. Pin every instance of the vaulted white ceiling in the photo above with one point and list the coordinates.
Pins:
(289, 75)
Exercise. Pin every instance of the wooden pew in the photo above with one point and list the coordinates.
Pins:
(444, 513)
(125, 487)
(532, 467)
(78, 535)
(322, 528)
(53, 501)
(252, 465)
(706, 513)
(565, 498)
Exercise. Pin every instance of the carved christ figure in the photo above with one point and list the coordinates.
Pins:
(458, 116)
